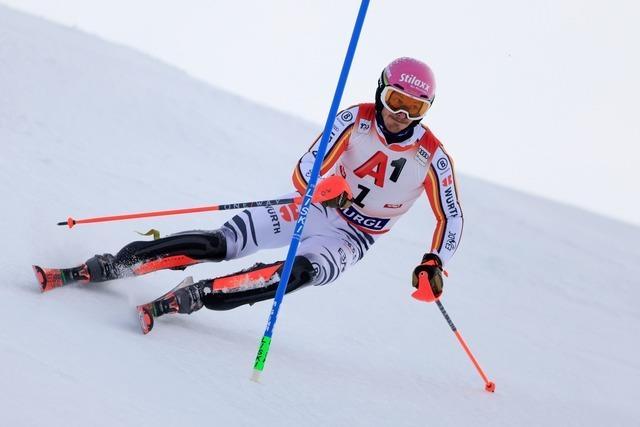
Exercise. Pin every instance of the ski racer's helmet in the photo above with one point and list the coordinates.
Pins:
(406, 85)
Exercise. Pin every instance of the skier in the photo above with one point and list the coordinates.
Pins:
(380, 151)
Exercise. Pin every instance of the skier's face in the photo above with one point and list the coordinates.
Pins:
(395, 122)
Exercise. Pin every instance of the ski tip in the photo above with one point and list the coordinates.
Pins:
(40, 277)
(48, 278)
(146, 319)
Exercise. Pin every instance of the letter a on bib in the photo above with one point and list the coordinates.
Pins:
(376, 167)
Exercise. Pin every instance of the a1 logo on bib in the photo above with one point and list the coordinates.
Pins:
(364, 126)
(422, 156)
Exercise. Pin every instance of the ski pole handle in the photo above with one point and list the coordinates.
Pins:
(70, 222)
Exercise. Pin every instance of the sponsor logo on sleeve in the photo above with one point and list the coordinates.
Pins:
(450, 243)
(450, 202)
(446, 182)
(367, 222)
(442, 164)
(347, 116)
(422, 156)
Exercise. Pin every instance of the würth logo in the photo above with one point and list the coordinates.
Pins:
(414, 81)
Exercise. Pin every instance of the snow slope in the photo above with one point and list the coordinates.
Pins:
(546, 295)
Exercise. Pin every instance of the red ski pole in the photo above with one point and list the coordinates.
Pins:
(331, 187)
(273, 202)
(424, 293)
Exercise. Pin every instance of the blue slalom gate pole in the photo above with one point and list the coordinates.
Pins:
(265, 343)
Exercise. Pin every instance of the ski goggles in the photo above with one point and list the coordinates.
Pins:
(399, 102)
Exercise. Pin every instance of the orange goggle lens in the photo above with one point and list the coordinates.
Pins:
(398, 102)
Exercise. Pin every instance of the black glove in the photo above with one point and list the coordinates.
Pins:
(432, 265)
(341, 202)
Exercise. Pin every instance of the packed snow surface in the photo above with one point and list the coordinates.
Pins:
(545, 295)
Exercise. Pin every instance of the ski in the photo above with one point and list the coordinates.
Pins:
(145, 317)
(51, 278)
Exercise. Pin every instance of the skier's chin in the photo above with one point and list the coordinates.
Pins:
(396, 126)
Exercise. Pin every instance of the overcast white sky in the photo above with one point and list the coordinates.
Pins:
(537, 95)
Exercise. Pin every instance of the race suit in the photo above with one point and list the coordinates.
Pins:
(386, 179)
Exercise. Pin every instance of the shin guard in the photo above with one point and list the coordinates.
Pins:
(258, 283)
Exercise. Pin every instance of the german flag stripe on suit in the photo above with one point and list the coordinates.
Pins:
(330, 158)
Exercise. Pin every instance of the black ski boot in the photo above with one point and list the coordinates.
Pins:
(99, 268)
(185, 298)
(104, 267)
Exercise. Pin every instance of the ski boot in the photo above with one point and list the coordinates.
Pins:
(248, 286)
(188, 297)
(185, 298)
(97, 269)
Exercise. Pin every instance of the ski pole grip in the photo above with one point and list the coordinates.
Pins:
(330, 188)
(424, 292)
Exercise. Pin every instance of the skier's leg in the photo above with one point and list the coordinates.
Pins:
(229, 298)
(324, 257)
(330, 247)
(263, 227)
(327, 250)
(249, 286)
(176, 251)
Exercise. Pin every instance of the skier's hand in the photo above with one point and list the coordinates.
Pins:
(432, 266)
(333, 192)
(341, 202)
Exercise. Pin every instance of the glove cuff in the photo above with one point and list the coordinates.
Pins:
(432, 257)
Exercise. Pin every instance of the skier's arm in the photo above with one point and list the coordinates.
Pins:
(338, 141)
(442, 192)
